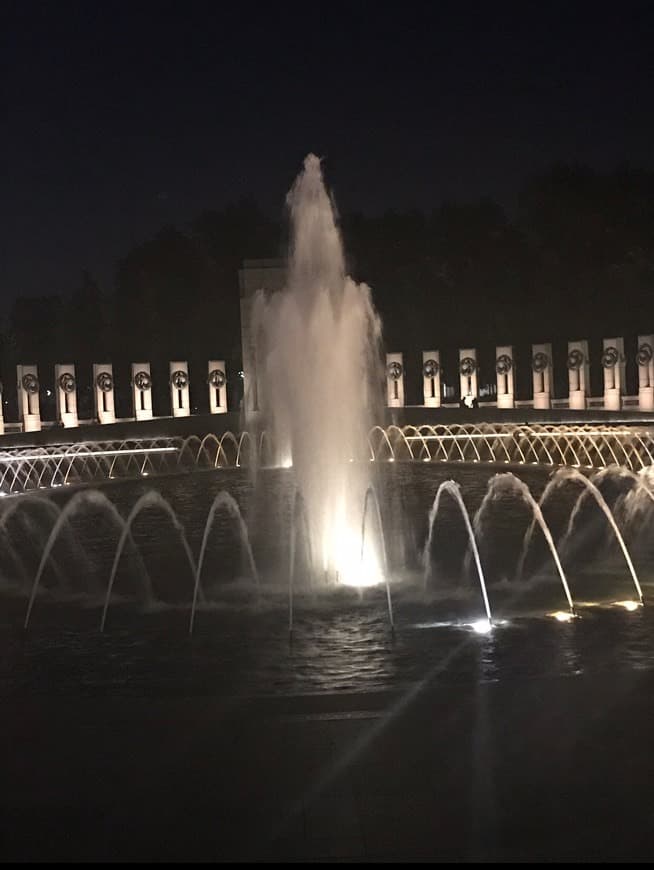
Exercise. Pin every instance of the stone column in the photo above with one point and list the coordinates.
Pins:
(103, 393)
(645, 360)
(217, 381)
(66, 395)
(504, 372)
(431, 378)
(468, 375)
(543, 377)
(28, 397)
(613, 366)
(578, 374)
(394, 380)
(180, 393)
(142, 391)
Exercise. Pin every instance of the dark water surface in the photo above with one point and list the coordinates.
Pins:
(341, 639)
(351, 743)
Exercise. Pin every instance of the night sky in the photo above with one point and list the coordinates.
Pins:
(120, 118)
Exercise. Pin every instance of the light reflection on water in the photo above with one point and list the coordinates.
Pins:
(341, 640)
(250, 654)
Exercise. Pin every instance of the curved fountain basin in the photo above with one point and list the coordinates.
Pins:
(584, 446)
(435, 610)
(432, 717)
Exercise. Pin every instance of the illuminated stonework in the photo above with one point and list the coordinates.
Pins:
(66, 395)
(180, 394)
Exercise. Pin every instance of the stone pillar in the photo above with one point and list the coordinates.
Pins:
(217, 381)
(180, 393)
(2, 409)
(541, 367)
(468, 375)
(103, 393)
(66, 395)
(431, 378)
(28, 397)
(394, 380)
(504, 372)
(645, 360)
(142, 391)
(578, 374)
(613, 366)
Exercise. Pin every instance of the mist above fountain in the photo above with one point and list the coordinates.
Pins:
(319, 340)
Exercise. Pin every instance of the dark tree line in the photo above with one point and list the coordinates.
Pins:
(575, 260)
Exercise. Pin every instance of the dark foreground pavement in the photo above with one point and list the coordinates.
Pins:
(520, 770)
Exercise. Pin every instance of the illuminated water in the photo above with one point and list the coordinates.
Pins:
(341, 639)
(318, 343)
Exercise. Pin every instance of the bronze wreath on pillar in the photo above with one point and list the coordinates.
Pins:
(30, 383)
(610, 357)
(575, 359)
(645, 354)
(503, 364)
(104, 382)
(430, 368)
(179, 379)
(67, 382)
(467, 366)
(142, 381)
(216, 378)
(394, 370)
(539, 362)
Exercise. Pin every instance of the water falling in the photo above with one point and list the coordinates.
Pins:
(147, 501)
(298, 518)
(82, 502)
(589, 490)
(320, 351)
(514, 484)
(227, 503)
(453, 488)
(371, 497)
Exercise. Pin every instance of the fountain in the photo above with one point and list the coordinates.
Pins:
(326, 528)
(589, 489)
(227, 503)
(514, 484)
(320, 344)
(453, 489)
(320, 380)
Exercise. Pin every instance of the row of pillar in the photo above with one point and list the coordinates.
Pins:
(65, 387)
(578, 363)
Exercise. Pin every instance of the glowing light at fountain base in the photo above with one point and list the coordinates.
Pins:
(562, 615)
(318, 364)
(344, 561)
(629, 605)
(482, 626)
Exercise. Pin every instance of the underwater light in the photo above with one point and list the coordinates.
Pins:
(562, 615)
(628, 605)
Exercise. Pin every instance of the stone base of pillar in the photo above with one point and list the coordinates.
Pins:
(612, 399)
(32, 423)
(542, 401)
(577, 400)
(506, 400)
(646, 398)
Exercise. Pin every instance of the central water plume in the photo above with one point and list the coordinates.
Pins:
(321, 376)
